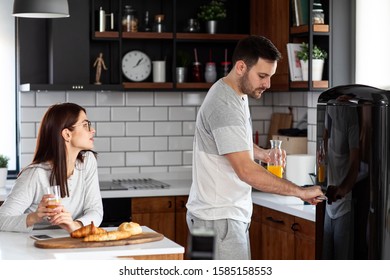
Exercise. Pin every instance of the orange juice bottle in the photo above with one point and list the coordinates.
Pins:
(275, 153)
(321, 166)
(277, 170)
(321, 173)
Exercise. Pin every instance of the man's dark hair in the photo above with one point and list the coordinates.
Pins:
(253, 47)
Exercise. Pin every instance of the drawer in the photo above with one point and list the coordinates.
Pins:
(153, 204)
(277, 219)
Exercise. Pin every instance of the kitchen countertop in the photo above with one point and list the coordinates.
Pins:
(181, 186)
(19, 246)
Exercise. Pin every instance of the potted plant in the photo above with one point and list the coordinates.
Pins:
(318, 57)
(3, 170)
(212, 12)
(183, 60)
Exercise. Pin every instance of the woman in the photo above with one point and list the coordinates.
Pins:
(62, 157)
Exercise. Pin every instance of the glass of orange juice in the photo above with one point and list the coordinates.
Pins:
(275, 166)
(55, 199)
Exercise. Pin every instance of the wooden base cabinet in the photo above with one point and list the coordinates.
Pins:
(166, 215)
(157, 213)
(280, 236)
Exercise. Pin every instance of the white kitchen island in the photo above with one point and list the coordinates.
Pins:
(20, 246)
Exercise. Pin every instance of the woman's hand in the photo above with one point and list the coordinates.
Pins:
(42, 212)
(64, 220)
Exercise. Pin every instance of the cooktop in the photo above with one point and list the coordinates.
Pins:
(132, 184)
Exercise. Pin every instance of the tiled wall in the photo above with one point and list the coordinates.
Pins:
(141, 132)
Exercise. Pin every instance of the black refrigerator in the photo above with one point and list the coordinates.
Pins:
(353, 167)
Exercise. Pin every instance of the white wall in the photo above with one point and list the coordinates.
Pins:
(372, 43)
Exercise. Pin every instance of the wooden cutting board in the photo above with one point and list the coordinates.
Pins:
(69, 242)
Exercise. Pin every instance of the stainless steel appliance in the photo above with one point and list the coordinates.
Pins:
(353, 125)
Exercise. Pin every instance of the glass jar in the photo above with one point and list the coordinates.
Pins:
(146, 26)
(193, 26)
(275, 166)
(318, 16)
(224, 68)
(159, 25)
(210, 72)
(129, 20)
(196, 74)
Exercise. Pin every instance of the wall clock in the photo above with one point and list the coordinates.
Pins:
(136, 66)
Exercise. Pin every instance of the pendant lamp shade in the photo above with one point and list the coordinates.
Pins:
(41, 8)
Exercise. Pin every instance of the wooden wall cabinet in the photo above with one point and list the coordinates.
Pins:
(272, 20)
(280, 236)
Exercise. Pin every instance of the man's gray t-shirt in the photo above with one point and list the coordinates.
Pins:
(223, 126)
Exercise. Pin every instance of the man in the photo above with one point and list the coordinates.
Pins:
(224, 170)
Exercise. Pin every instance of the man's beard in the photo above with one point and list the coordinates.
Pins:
(244, 87)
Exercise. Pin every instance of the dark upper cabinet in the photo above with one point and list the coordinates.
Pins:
(58, 54)
(55, 52)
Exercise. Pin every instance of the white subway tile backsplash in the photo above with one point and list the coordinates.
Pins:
(154, 143)
(124, 170)
(180, 143)
(298, 99)
(154, 169)
(187, 157)
(139, 159)
(110, 98)
(189, 128)
(110, 129)
(261, 113)
(151, 132)
(124, 144)
(168, 158)
(167, 99)
(139, 128)
(168, 128)
(48, 98)
(32, 114)
(26, 159)
(27, 99)
(154, 113)
(106, 159)
(98, 113)
(182, 113)
(281, 99)
(184, 168)
(125, 114)
(28, 144)
(193, 98)
(27, 130)
(139, 98)
(258, 126)
(102, 144)
(83, 98)
(312, 116)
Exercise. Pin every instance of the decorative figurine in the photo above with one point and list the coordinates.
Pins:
(99, 63)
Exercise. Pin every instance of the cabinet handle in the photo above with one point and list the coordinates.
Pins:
(295, 227)
(274, 220)
(170, 204)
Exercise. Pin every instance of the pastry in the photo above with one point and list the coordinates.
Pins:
(87, 230)
(131, 227)
(111, 235)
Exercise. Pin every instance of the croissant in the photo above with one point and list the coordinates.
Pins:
(87, 230)
(111, 235)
